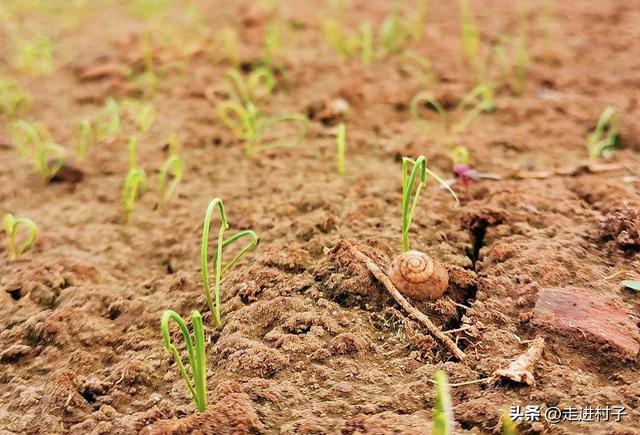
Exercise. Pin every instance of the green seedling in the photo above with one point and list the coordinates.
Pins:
(108, 122)
(85, 138)
(26, 137)
(143, 114)
(12, 227)
(394, 35)
(391, 38)
(480, 99)
(341, 145)
(631, 285)
(145, 117)
(470, 33)
(34, 142)
(343, 44)
(260, 83)
(514, 66)
(249, 125)
(460, 155)
(197, 385)
(148, 80)
(170, 173)
(442, 409)
(48, 159)
(418, 66)
(13, 98)
(408, 181)
(471, 46)
(136, 182)
(219, 270)
(366, 43)
(426, 98)
(34, 56)
(606, 136)
(416, 21)
(513, 73)
(271, 45)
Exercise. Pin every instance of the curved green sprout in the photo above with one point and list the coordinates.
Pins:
(606, 136)
(196, 350)
(108, 122)
(13, 97)
(134, 186)
(144, 114)
(408, 182)
(341, 145)
(25, 136)
(426, 98)
(136, 182)
(260, 83)
(373, 44)
(419, 67)
(49, 159)
(85, 138)
(479, 98)
(240, 119)
(248, 124)
(219, 271)
(34, 142)
(170, 173)
(442, 409)
(12, 226)
(460, 155)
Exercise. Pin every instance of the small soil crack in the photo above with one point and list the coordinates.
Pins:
(477, 235)
(478, 232)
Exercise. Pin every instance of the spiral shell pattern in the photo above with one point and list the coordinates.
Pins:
(418, 276)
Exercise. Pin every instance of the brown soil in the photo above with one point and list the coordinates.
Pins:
(311, 342)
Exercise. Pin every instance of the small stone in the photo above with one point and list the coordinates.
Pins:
(588, 317)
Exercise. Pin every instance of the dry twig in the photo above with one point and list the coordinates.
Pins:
(413, 312)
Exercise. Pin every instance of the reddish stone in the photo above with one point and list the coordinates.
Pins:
(589, 318)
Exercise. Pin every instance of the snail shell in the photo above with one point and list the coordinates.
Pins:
(418, 276)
